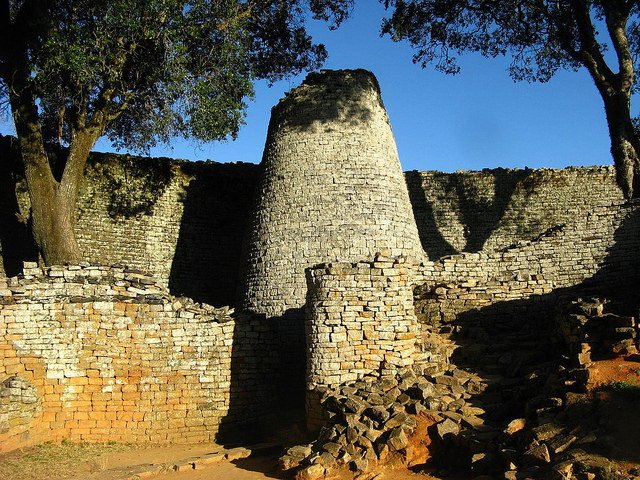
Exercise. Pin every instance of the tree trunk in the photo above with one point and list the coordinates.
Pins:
(625, 147)
(53, 220)
(53, 203)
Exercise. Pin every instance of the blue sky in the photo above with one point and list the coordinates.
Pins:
(477, 119)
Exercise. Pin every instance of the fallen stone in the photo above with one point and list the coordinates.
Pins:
(377, 413)
(560, 443)
(515, 426)
(447, 429)
(359, 464)
(397, 439)
(312, 472)
(354, 404)
(536, 455)
(333, 448)
(546, 431)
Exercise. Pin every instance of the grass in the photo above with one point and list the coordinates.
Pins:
(628, 389)
(53, 461)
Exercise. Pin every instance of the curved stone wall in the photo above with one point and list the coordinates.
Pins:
(332, 189)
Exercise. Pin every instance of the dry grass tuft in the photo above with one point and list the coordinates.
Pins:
(56, 461)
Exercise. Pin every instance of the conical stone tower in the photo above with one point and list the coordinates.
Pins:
(332, 189)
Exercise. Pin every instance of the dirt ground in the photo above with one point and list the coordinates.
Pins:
(121, 462)
(618, 407)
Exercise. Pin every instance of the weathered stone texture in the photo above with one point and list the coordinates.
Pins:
(597, 251)
(105, 354)
(180, 220)
(360, 322)
(490, 209)
(332, 189)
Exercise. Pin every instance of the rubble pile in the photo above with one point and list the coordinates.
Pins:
(592, 332)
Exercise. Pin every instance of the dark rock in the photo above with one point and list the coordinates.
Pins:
(353, 404)
(536, 455)
(560, 443)
(397, 439)
(377, 413)
(546, 431)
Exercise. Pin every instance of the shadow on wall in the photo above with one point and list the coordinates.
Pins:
(334, 96)
(513, 348)
(433, 243)
(16, 241)
(267, 384)
(478, 205)
(217, 207)
(482, 215)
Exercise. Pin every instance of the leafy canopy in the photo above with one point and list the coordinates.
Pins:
(144, 71)
(542, 36)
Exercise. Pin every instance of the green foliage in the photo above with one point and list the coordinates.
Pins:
(146, 71)
(542, 37)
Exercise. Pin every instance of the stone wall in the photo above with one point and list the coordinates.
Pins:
(184, 220)
(360, 322)
(180, 220)
(105, 354)
(596, 253)
(490, 209)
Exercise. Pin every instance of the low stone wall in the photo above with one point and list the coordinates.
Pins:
(597, 252)
(360, 322)
(105, 354)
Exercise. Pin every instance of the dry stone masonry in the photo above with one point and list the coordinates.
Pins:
(449, 324)
(360, 322)
(106, 354)
(332, 189)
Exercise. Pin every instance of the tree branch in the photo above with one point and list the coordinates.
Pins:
(589, 54)
(616, 20)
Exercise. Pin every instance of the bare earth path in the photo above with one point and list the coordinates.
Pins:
(121, 462)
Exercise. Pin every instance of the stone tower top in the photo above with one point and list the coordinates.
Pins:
(345, 96)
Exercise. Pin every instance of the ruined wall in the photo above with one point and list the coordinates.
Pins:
(359, 322)
(105, 354)
(597, 253)
(332, 189)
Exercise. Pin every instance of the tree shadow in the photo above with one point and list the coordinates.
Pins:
(433, 243)
(514, 349)
(326, 97)
(217, 206)
(16, 241)
(479, 214)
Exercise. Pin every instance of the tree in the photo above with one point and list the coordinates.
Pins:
(542, 37)
(138, 72)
